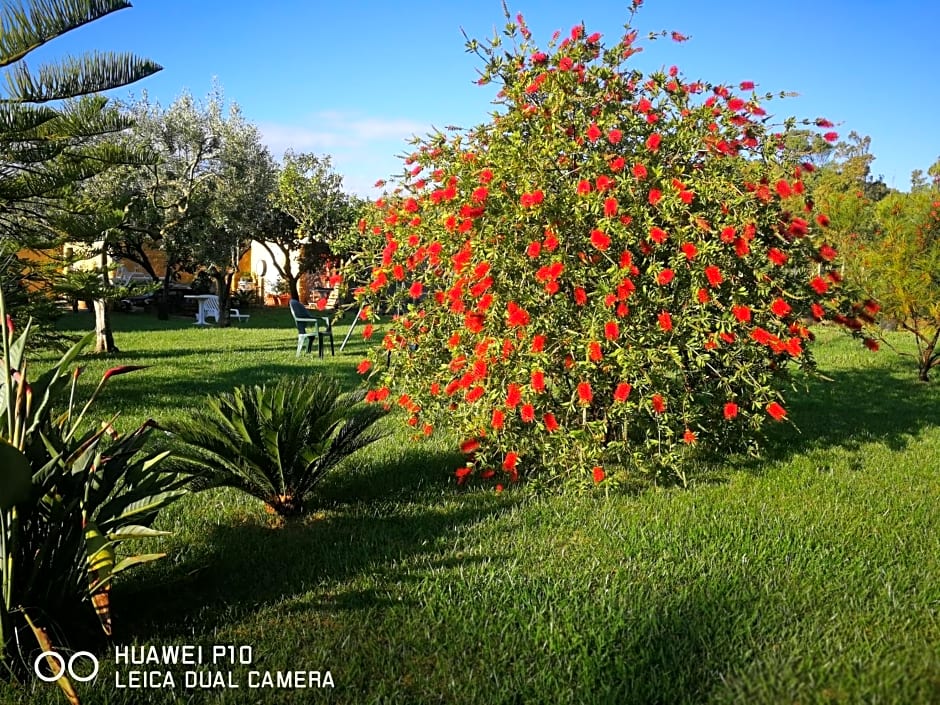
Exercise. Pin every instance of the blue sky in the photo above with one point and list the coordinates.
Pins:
(355, 78)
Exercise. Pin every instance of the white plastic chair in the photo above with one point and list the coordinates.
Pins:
(211, 309)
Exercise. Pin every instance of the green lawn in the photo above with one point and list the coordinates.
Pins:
(811, 575)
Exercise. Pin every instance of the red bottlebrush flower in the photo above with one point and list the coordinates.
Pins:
(795, 347)
(598, 474)
(665, 277)
(871, 344)
(622, 392)
(530, 200)
(659, 404)
(486, 176)
(610, 207)
(689, 437)
(364, 367)
(462, 473)
(611, 330)
(831, 136)
(475, 394)
(819, 285)
(551, 423)
(516, 316)
(580, 296)
(538, 381)
(473, 322)
(614, 136)
(617, 164)
(584, 187)
(639, 171)
(735, 104)
(665, 321)
(644, 105)
(594, 132)
(702, 296)
(626, 259)
(742, 313)
(727, 337)
(783, 189)
(678, 37)
(538, 343)
(550, 242)
(776, 411)
(368, 331)
(713, 274)
(728, 235)
(761, 336)
(822, 220)
(498, 419)
(513, 395)
(871, 306)
(653, 142)
(776, 256)
(827, 253)
(780, 308)
(747, 85)
(600, 240)
(658, 235)
(741, 248)
(594, 351)
(527, 413)
(686, 196)
(480, 194)
(585, 393)
(730, 411)
(470, 446)
(414, 291)
(510, 461)
(655, 196)
(533, 249)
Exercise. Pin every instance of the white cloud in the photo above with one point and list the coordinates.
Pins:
(364, 148)
(331, 130)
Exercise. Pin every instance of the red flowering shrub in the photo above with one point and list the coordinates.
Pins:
(617, 268)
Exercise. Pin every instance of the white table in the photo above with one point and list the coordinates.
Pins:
(201, 299)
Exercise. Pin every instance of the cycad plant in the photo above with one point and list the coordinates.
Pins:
(275, 442)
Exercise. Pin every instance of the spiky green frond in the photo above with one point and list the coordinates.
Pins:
(275, 442)
(76, 76)
(25, 27)
(17, 120)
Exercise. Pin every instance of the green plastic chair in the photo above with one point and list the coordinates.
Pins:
(322, 329)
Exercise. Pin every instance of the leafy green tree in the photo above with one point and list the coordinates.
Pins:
(901, 267)
(240, 208)
(52, 123)
(310, 193)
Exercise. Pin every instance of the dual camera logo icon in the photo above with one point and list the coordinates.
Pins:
(67, 667)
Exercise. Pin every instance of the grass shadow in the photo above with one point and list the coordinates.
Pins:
(857, 406)
(680, 651)
(241, 566)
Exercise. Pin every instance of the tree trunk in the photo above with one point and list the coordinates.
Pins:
(223, 289)
(292, 286)
(104, 337)
(163, 301)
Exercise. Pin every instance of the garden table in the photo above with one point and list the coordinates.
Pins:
(201, 300)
